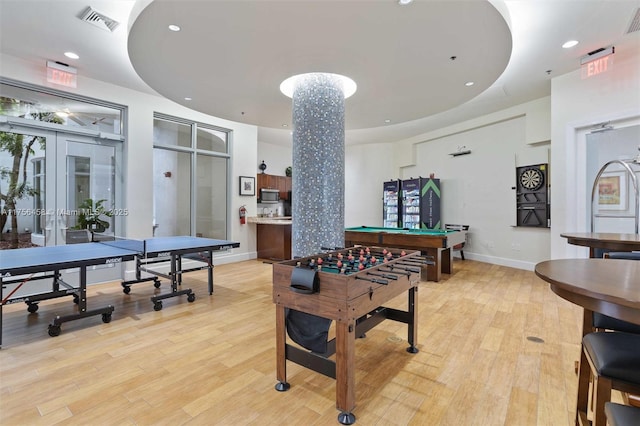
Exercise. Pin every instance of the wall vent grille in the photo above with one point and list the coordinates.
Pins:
(98, 19)
(635, 23)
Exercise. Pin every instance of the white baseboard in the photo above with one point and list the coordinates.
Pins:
(511, 263)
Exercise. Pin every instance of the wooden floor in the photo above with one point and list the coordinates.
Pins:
(212, 362)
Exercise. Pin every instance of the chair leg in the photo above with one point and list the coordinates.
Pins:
(584, 375)
(601, 395)
(462, 254)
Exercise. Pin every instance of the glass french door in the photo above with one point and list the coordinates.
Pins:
(61, 172)
(85, 177)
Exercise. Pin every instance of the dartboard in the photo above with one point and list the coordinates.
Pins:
(531, 179)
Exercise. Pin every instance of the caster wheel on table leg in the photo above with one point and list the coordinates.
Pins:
(157, 306)
(191, 297)
(54, 330)
(156, 283)
(106, 318)
(126, 290)
(32, 307)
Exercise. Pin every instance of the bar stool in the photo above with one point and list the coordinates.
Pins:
(603, 322)
(621, 415)
(458, 247)
(614, 360)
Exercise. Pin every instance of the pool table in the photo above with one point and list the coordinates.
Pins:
(431, 242)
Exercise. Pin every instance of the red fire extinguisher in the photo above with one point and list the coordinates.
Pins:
(243, 215)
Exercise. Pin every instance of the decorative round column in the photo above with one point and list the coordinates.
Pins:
(318, 162)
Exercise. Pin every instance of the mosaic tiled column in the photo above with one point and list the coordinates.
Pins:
(318, 164)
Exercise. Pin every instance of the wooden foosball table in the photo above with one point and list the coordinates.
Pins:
(313, 291)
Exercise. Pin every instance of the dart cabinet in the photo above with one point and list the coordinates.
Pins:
(532, 196)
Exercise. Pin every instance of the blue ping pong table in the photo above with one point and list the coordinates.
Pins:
(20, 266)
(171, 251)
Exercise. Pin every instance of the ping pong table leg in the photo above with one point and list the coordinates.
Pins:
(178, 270)
(210, 271)
(54, 327)
(176, 278)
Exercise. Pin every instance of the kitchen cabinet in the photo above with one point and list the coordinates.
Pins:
(274, 241)
(281, 183)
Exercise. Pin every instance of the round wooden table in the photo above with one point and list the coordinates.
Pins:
(603, 240)
(608, 286)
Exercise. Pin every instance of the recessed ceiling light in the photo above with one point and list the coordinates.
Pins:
(569, 44)
(469, 83)
(404, 2)
(174, 27)
(71, 55)
(387, 121)
(187, 99)
(348, 85)
(285, 125)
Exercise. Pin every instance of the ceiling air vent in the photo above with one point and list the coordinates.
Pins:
(98, 19)
(635, 23)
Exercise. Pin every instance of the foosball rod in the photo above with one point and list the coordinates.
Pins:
(419, 264)
(395, 272)
(393, 266)
(388, 276)
(373, 280)
(421, 259)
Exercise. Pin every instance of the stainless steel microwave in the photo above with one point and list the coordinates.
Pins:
(269, 195)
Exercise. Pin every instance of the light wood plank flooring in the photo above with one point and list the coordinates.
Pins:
(212, 362)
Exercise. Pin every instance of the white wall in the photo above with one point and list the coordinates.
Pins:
(138, 153)
(276, 157)
(477, 188)
(578, 105)
(367, 167)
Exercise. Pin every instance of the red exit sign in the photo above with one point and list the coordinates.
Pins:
(596, 67)
(597, 62)
(61, 74)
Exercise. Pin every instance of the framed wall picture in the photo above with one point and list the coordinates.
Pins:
(612, 191)
(247, 185)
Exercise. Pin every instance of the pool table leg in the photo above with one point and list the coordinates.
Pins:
(434, 272)
(447, 261)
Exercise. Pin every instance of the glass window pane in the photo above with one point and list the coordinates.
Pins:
(211, 140)
(39, 193)
(18, 154)
(34, 105)
(211, 212)
(170, 133)
(91, 187)
(171, 193)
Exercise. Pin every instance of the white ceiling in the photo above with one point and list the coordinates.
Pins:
(231, 56)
